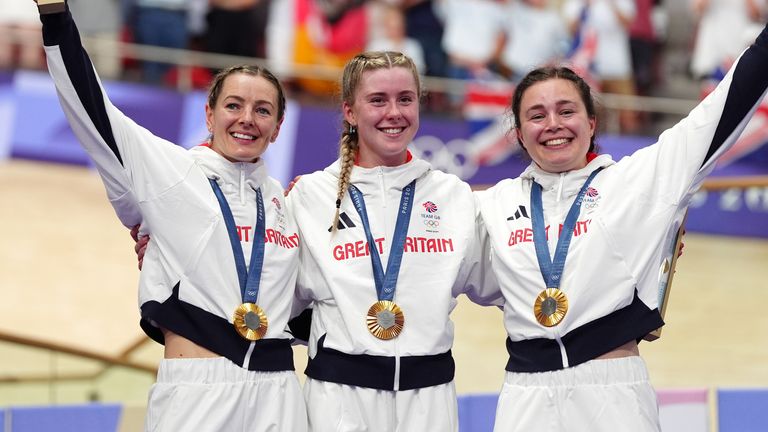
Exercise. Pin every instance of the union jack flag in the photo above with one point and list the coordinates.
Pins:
(487, 101)
(485, 110)
(581, 56)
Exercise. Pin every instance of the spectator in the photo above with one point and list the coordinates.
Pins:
(279, 37)
(100, 21)
(391, 35)
(473, 38)
(610, 20)
(423, 24)
(20, 43)
(718, 38)
(643, 46)
(535, 35)
(327, 33)
(238, 27)
(160, 23)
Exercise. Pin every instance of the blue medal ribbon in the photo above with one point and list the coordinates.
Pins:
(386, 282)
(250, 277)
(552, 269)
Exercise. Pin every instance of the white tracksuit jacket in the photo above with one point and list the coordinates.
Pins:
(440, 261)
(189, 283)
(628, 220)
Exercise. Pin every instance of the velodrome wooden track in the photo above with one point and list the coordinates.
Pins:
(68, 276)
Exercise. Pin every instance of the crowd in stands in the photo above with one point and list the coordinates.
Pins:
(616, 43)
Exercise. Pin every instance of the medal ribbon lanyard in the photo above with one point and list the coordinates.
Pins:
(386, 282)
(552, 269)
(250, 277)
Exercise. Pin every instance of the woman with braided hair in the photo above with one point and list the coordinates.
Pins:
(380, 339)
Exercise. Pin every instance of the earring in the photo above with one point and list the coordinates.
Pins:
(352, 129)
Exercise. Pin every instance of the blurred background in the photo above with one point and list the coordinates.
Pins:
(69, 334)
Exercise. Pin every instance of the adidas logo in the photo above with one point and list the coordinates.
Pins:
(344, 222)
(520, 212)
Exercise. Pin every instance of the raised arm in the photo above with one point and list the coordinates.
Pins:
(744, 87)
(687, 152)
(124, 152)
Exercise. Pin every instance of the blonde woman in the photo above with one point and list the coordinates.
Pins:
(388, 245)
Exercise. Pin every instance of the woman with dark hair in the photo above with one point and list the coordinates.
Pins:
(217, 285)
(580, 268)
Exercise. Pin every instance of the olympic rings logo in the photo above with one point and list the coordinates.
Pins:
(431, 223)
(451, 157)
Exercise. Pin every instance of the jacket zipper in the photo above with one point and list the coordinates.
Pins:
(563, 352)
(560, 187)
(242, 185)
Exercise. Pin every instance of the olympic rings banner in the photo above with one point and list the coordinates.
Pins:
(309, 136)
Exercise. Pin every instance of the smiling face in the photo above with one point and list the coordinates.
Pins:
(244, 118)
(385, 111)
(554, 125)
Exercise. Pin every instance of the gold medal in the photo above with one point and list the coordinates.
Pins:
(385, 320)
(550, 307)
(250, 321)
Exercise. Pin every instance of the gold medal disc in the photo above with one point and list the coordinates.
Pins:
(250, 321)
(550, 307)
(385, 320)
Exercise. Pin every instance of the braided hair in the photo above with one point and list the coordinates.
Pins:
(350, 80)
